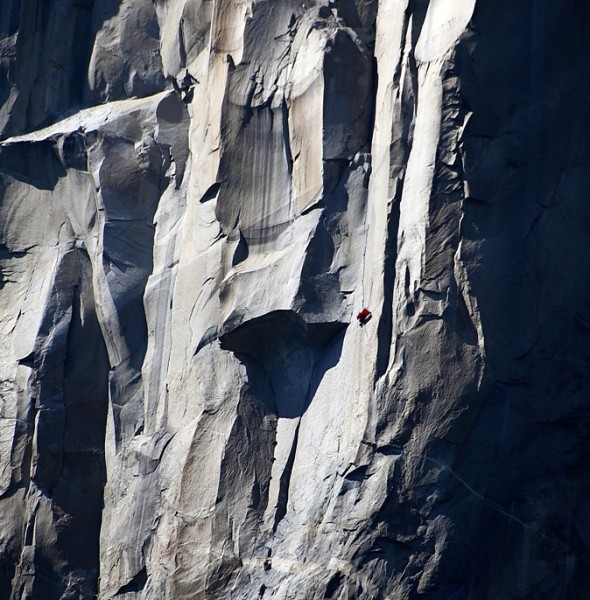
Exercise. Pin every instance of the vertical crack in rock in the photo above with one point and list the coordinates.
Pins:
(284, 482)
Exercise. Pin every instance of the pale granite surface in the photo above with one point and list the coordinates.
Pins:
(196, 199)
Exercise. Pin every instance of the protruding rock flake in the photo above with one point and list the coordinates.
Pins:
(294, 299)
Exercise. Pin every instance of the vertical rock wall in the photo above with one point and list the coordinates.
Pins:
(196, 198)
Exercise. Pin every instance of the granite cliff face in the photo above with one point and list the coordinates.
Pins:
(196, 198)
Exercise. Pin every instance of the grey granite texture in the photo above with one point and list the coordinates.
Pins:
(196, 199)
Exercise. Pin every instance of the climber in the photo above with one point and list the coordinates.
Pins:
(185, 87)
(364, 316)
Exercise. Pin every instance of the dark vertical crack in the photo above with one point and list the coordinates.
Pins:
(287, 143)
(283, 495)
(181, 43)
(385, 327)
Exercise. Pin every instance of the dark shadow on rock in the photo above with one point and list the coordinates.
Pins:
(327, 359)
(72, 151)
(36, 164)
(51, 79)
(289, 349)
(135, 585)
(71, 371)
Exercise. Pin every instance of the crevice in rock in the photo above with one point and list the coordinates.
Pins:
(283, 496)
(286, 138)
(136, 584)
(241, 250)
(211, 192)
(333, 585)
(385, 326)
